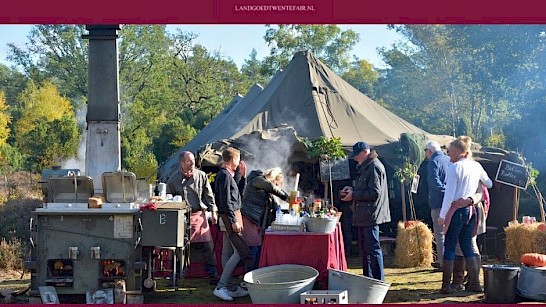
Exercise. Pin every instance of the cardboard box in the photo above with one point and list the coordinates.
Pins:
(324, 297)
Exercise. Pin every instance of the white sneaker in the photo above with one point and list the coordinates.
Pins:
(240, 292)
(222, 293)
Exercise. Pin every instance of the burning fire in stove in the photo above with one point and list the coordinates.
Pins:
(113, 268)
(60, 268)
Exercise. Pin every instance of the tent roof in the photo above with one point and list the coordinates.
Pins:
(314, 100)
(317, 102)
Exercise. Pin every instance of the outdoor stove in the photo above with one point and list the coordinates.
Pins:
(77, 249)
(84, 244)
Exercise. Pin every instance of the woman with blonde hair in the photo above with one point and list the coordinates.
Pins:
(258, 206)
(462, 180)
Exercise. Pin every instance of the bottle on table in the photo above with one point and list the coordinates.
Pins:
(317, 206)
(293, 218)
(321, 213)
(156, 190)
(278, 215)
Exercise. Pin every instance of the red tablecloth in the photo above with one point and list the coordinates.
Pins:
(317, 250)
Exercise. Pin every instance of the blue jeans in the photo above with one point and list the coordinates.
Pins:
(347, 231)
(460, 230)
(370, 249)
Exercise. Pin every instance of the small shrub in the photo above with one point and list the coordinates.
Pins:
(11, 254)
(15, 217)
(20, 194)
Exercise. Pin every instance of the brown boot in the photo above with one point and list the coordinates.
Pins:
(473, 265)
(447, 267)
(458, 274)
(465, 280)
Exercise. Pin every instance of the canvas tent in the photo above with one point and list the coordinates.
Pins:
(309, 100)
(314, 100)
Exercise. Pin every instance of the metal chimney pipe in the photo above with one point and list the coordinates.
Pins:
(103, 149)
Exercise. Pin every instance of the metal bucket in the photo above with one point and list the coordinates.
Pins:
(532, 283)
(500, 283)
(321, 225)
(280, 284)
(362, 289)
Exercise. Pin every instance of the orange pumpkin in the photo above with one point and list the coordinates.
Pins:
(542, 227)
(533, 259)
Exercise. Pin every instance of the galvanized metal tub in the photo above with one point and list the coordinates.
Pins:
(362, 289)
(532, 283)
(280, 284)
(320, 225)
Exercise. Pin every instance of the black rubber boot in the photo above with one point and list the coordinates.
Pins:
(458, 274)
(447, 267)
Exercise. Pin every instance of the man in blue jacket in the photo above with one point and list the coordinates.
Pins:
(438, 163)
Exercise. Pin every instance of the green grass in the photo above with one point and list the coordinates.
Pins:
(408, 285)
(189, 291)
(416, 285)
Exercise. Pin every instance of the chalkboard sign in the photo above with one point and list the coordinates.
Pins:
(513, 174)
(340, 170)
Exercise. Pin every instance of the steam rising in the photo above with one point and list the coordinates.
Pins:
(269, 154)
(78, 162)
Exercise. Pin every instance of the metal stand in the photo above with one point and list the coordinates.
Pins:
(180, 260)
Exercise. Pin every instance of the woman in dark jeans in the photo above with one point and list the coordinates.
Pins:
(259, 206)
(462, 180)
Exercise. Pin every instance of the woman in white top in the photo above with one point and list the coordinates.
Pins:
(462, 180)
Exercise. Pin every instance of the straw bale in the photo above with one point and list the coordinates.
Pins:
(540, 241)
(523, 238)
(413, 246)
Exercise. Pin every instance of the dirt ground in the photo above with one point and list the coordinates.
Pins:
(408, 285)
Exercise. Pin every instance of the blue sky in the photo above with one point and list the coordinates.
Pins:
(236, 41)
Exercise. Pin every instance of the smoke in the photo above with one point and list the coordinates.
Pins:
(300, 122)
(78, 162)
(273, 153)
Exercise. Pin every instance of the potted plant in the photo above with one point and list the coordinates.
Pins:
(326, 150)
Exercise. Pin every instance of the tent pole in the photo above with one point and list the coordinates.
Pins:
(516, 204)
(331, 185)
(403, 191)
(540, 203)
(326, 190)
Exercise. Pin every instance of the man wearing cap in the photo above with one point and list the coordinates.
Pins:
(370, 197)
(438, 164)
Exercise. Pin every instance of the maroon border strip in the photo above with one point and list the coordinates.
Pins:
(271, 11)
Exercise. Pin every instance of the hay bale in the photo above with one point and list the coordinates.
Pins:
(413, 245)
(523, 238)
(540, 241)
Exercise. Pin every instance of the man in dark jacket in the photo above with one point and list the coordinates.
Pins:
(228, 199)
(370, 197)
(437, 166)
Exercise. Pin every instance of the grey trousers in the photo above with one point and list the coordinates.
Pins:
(230, 260)
(438, 234)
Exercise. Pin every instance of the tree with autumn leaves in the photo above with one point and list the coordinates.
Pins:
(47, 132)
